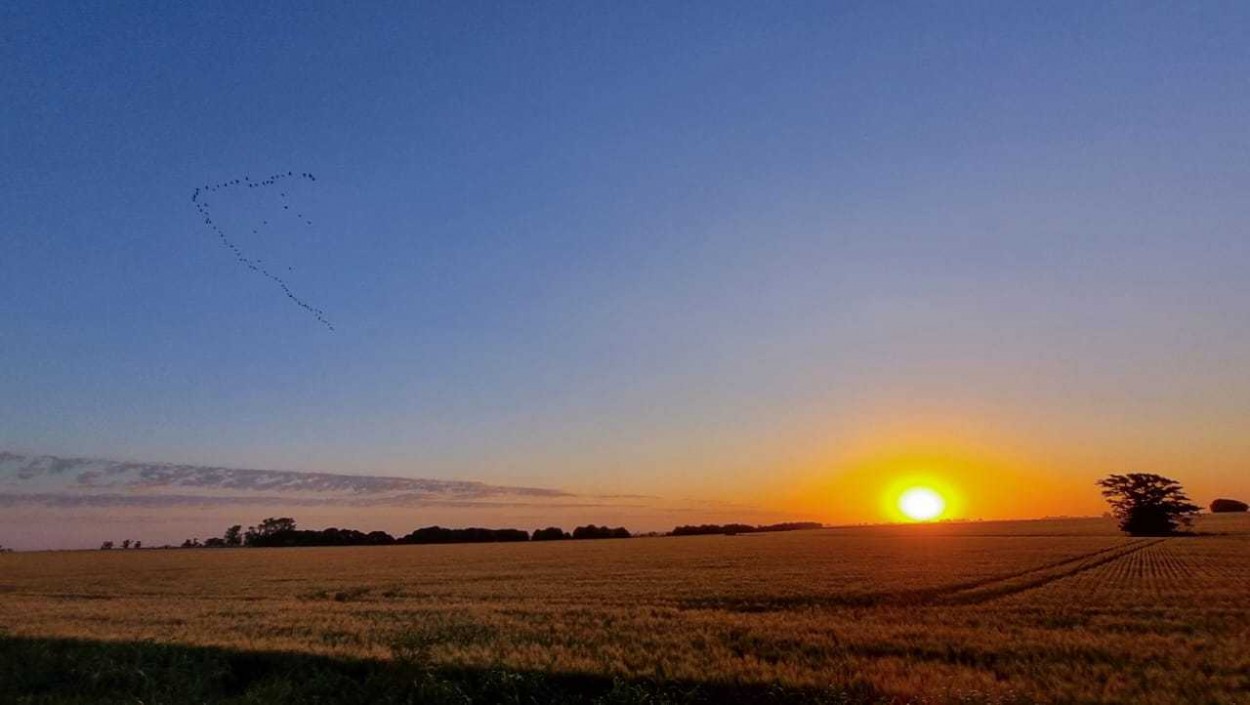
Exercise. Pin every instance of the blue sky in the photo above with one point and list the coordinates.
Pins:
(674, 249)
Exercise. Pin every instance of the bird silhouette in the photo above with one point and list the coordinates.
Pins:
(257, 265)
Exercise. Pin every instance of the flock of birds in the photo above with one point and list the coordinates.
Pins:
(257, 265)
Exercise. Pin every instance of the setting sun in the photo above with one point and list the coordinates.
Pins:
(921, 504)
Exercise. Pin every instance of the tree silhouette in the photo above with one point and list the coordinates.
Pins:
(551, 533)
(590, 531)
(273, 525)
(1146, 504)
(268, 528)
(731, 529)
(234, 535)
(438, 534)
(1223, 506)
(106, 546)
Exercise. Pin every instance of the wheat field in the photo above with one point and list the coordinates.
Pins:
(1046, 611)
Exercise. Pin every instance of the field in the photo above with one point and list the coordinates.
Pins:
(1049, 611)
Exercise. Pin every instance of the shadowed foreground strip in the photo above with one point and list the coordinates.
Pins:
(78, 671)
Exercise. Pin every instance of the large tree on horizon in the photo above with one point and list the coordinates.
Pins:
(1146, 504)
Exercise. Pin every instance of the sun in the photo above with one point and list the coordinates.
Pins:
(921, 504)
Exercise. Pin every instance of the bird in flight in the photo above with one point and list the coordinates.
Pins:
(202, 206)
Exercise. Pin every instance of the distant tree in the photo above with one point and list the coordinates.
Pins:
(438, 534)
(705, 529)
(267, 529)
(378, 538)
(138, 545)
(793, 526)
(1146, 504)
(1223, 506)
(234, 536)
(126, 543)
(590, 531)
(273, 525)
(106, 546)
(551, 533)
(732, 529)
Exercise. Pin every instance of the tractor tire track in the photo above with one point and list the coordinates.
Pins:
(1031, 580)
(967, 592)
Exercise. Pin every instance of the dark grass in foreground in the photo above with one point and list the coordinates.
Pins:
(35, 670)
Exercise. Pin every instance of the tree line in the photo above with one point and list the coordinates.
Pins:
(732, 529)
(283, 532)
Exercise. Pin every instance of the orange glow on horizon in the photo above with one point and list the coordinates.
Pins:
(973, 483)
(982, 471)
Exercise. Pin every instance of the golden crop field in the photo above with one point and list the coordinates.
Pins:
(1045, 611)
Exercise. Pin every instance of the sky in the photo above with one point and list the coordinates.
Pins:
(674, 262)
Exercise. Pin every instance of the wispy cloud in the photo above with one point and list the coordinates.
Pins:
(67, 500)
(46, 480)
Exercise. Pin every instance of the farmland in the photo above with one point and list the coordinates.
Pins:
(1045, 611)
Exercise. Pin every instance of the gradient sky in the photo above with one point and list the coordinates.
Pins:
(761, 258)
